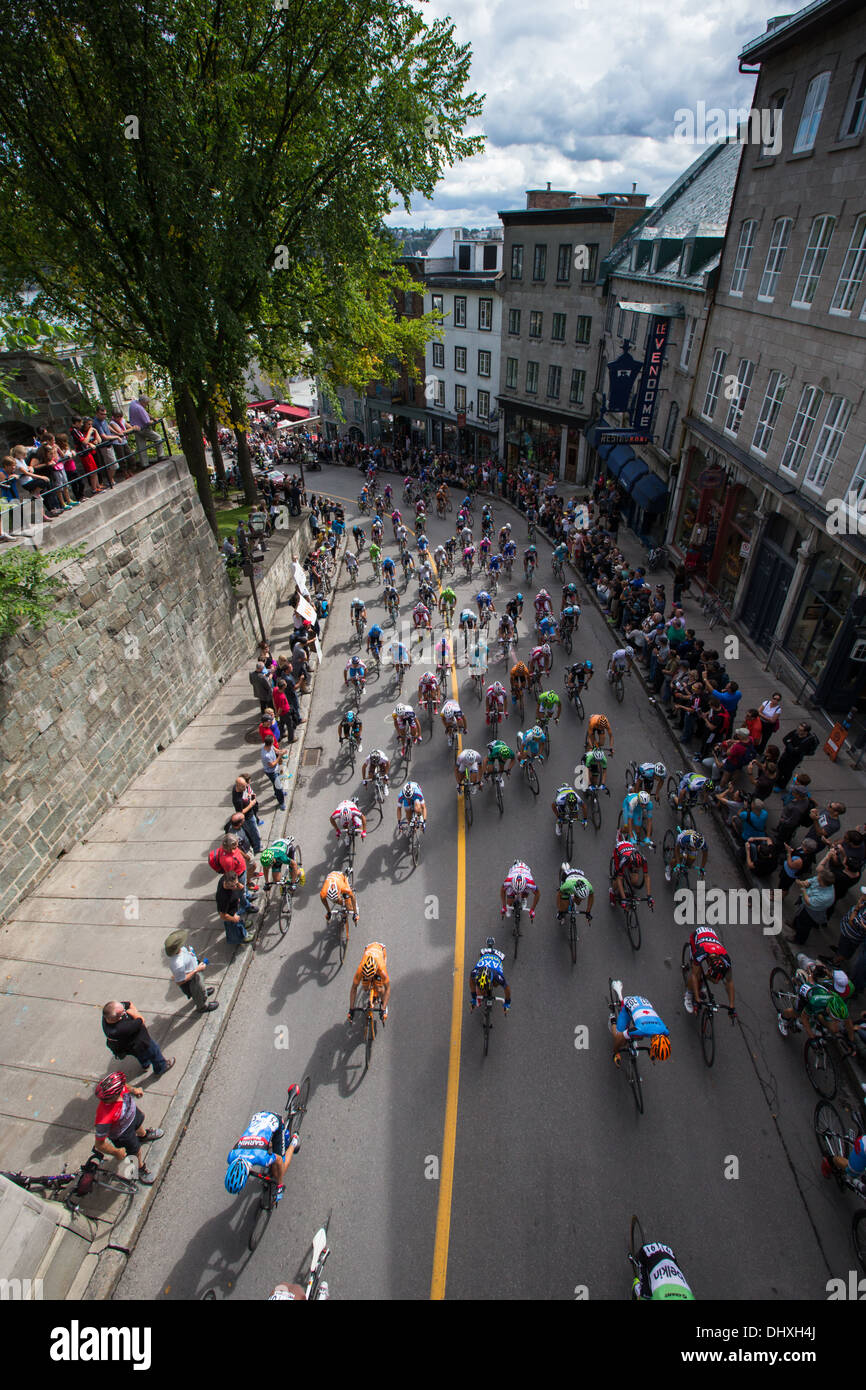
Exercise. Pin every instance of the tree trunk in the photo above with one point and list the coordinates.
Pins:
(189, 428)
(211, 429)
(245, 467)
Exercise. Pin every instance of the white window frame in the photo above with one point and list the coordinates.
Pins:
(485, 312)
(745, 247)
(852, 272)
(439, 356)
(813, 109)
(714, 381)
(578, 378)
(512, 385)
(777, 385)
(459, 398)
(858, 478)
(437, 309)
(482, 405)
(460, 311)
(780, 238)
(836, 420)
(484, 353)
(737, 403)
(690, 328)
(811, 398)
(439, 398)
(820, 235)
(534, 368)
(854, 118)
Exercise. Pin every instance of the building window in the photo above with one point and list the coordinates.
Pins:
(686, 259)
(578, 386)
(772, 404)
(511, 366)
(439, 398)
(716, 373)
(813, 106)
(777, 103)
(483, 405)
(554, 378)
(745, 372)
(514, 322)
(744, 255)
(608, 318)
(858, 481)
(358, 412)
(775, 258)
(827, 597)
(584, 329)
(851, 274)
(464, 256)
(539, 262)
(460, 311)
(438, 307)
(460, 398)
(531, 378)
(483, 362)
(588, 275)
(485, 315)
(670, 427)
(563, 263)
(620, 327)
(517, 262)
(829, 441)
(409, 302)
(820, 236)
(535, 321)
(689, 330)
(489, 256)
(439, 355)
(855, 111)
(801, 430)
(460, 359)
(557, 331)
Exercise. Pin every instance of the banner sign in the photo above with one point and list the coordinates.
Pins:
(648, 388)
(623, 436)
(300, 578)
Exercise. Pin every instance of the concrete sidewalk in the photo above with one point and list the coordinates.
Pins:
(94, 931)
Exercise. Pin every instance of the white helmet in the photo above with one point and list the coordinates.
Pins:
(629, 651)
(644, 798)
(404, 709)
(518, 883)
(660, 769)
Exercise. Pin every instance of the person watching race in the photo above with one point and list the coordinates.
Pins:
(519, 883)
(635, 1021)
(567, 802)
(488, 974)
(687, 846)
(411, 800)
(378, 760)
(573, 883)
(710, 961)
(372, 976)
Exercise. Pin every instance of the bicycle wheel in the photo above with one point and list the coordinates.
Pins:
(858, 1235)
(820, 1067)
(113, 1182)
(263, 1215)
(636, 1241)
(486, 1024)
(578, 705)
(572, 934)
(297, 1107)
(632, 926)
(566, 642)
(672, 792)
(634, 1081)
(468, 811)
(687, 820)
(830, 1132)
(569, 838)
(517, 914)
(497, 782)
(343, 934)
(782, 992)
(379, 791)
(668, 847)
(708, 1041)
(531, 777)
(369, 1036)
(618, 689)
(595, 811)
(286, 905)
(414, 846)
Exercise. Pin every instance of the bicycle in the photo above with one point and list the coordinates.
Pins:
(543, 722)
(558, 571)
(91, 1174)
(517, 701)
(356, 685)
(400, 668)
(618, 687)
(528, 766)
(414, 835)
(817, 1058)
(713, 608)
(573, 695)
(528, 570)
(406, 749)
(517, 914)
(495, 776)
(369, 1009)
(629, 1054)
(392, 608)
(683, 814)
(360, 628)
(631, 921)
(706, 1008)
(477, 679)
(432, 708)
(378, 787)
(493, 718)
(467, 791)
(349, 861)
(341, 914)
(286, 897)
(680, 874)
(293, 1115)
(835, 1140)
(636, 1243)
(590, 794)
(568, 823)
(377, 571)
(566, 629)
(349, 747)
(486, 1003)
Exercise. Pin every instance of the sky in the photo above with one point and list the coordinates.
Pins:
(584, 94)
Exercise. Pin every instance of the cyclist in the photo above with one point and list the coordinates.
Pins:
(421, 618)
(519, 677)
(578, 675)
(549, 706)
(358, 612)
(573, 883)
(465, 532)
(468, 620)
(484, 549)
(374, 641)
(509, 550)
(347, 815)
(630, 873)
(598, 730)
(494, 566)
(506, 629)
(261, 1146)
(530, 560)
(376, 537)
(453, 718)
(595, 762)
(350, 727)
(447, 603)
(621, 660)
(569, 597)
(649, 778)
(422, 545)
(355, 670)
(514, 607)
(568, 802)
(540, 660)
(560, 553)
(504, 534)
(337, 892)
(709, 960)
(484, 603)
(637, 814)
(488, 974)
(548, 628)
(638, 1019)
(469, 761)
(450, 547)
(495, 702)
(272, 859)
(691, 786)
(532, 743)
(543, 605)
(688, 844)
(372, 973)
(401, 536)
(821, 994)
(375, 553)
(569, 618)
(500, 758)
(351, 564)
(358, 538)
(411, 800)
(399, 656)
(387, 494)
(518, 883)
(388, 569)
(428, 689)
(469, 558)
(406, 722)
(660, 1278)
(377, 759)
(407, 562)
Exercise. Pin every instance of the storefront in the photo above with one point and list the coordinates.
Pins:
(822, 609)
(530, 440)
(381, 426)
(714, 525)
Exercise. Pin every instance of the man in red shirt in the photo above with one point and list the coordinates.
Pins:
(120, 1124)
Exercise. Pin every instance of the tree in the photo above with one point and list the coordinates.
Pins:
(25, 333)
(224, 184)
(28, 592)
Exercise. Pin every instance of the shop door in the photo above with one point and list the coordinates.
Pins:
(767, 593)
(571, 466)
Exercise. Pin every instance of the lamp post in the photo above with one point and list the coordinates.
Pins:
(254, 567)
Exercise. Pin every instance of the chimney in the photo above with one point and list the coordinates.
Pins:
(548, 198)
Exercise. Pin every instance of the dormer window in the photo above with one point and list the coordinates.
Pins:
(686, 257)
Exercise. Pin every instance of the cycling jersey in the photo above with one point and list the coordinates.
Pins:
(684, 846)
(598, 721)
(415, 794)
(338, 880)
(280, 852)
(420, 614)
(638, 1019)
(632, 810)
(509, 550)
(548, 700)
(693, 781)
(495, 695)
(498, 751)
(661, 1278)
(468, 760)
(375, 551)
(428, 682)
(380, 956)
(519, 868)
(626, 855)
(399, 654)
(646, 771)
(357, 605)
(547, 627)
(451, 712)
(542, 604)
(256, 1143)
(375, 634)
(566, 799)
(532, 741)
(578, 672)
(519, 674)
(467, 618)
(388, 565)
(620, 658)
(814, 998)
(539, 658)
(448, 596)
(349, 814)
(704, 943)
(355, 669)
(490, 960)
(483, 600)
(495, 563)
(405, 719)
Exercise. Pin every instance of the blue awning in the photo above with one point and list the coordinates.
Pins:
(633, 470)
(603, 450)
(619, 457)
(650, 493)
(592, 432)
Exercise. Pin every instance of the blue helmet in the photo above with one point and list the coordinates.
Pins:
(519, 598)
(236, 1175)
(588, 665)
(350, 717)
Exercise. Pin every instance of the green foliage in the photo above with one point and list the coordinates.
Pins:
(28, 592)
(24, 333)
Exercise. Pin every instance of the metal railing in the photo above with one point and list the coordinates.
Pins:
(14, 489)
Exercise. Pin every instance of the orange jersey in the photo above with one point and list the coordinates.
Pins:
(380, 955)
(342, 883)
(519, 672)
(599, 721)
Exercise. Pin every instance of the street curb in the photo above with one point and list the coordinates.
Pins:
(102, 1283)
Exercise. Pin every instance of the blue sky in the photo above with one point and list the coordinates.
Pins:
(584, 94)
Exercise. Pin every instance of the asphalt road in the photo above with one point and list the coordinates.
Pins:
(550, 1156)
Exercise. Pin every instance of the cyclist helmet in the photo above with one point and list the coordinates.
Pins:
(369, 968)
(588, 665)
(542, 593)
(507, 527)
(660, 769)
(333, 892)
(841, 984)
(518, 598)
(660, 1048)
(581, 888)
(629, 651)
(518, 883)
(644, 798)
(350, 717)
(718, 965)
(403, 709)
(695, 840)
(111, 1086)
(357, 602)
(236, 1175)
(597, 755)
(836, 1007)
(491, 941)
(497, 688)
(409, 790)
(545, 650)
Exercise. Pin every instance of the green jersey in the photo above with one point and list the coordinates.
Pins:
(499, 751)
